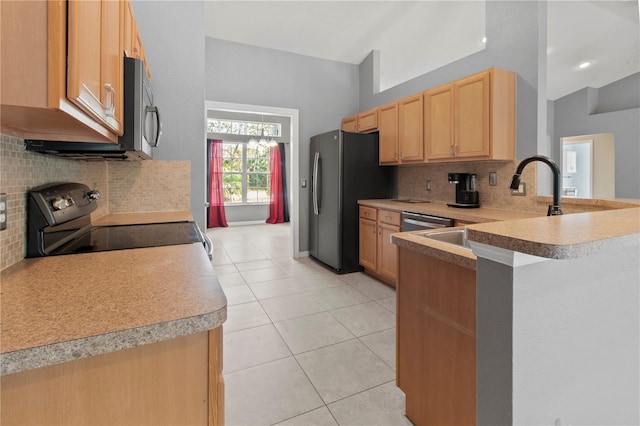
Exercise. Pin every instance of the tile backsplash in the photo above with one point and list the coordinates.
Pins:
(124, 186)
(412, 183)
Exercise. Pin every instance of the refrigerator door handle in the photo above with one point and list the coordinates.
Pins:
(314, 184)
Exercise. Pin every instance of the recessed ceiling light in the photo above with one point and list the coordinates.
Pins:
(584, 65)
(484, 40)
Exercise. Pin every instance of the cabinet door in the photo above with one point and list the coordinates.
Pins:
(127, 30)
(388, 133)
(94, 60)
(368, 120)
(350, 124)
(438, 122)
(387, 252)
(472, 116)
(410, 129)
(368, 243)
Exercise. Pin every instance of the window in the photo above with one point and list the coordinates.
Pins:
(237, 127)
(246, 173)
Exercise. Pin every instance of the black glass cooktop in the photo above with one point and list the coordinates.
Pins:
(120, 237)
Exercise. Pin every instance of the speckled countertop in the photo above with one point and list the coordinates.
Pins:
(444, 251)
(563, 237)
(476, 215)
(59, 308)
(560, 237)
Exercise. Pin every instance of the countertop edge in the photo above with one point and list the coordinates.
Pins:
(42, 356)
(439, 250)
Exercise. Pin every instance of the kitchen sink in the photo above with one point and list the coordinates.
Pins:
(454, 236)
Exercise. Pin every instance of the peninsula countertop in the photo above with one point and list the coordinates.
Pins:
(60, 308)
(476, 215)
(562, 237)
(559, 237)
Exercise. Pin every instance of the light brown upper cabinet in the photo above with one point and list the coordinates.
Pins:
(62, 68)
(410, 133)
(472, 118)
(388, 136)
(94, 60)
(350, 123)
(362, 122)
(368, 120)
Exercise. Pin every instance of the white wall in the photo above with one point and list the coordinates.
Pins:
(558, 341)
(322, 91)
(173, 36)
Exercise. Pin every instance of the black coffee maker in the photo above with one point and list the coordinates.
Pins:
(466, 193)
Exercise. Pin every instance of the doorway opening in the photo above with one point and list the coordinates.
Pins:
(588, 166)
(292, 165)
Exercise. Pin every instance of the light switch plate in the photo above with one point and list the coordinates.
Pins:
(303, 183)
(428, 185)
(493, 179)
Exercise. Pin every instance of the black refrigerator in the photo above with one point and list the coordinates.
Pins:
(344, 169)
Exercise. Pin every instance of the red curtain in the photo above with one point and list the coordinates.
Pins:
(276, 205)
(216, 217)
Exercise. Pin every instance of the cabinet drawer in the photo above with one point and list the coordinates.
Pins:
(368, 213)
(386, 216)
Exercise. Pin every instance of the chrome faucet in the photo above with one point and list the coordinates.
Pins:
(554, 209)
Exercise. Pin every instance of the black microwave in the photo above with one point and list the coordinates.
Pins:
(141, 120)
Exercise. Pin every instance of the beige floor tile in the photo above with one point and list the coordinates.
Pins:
(318, 417)
(276, 288)
(338, 297)
(259, 275)
(383, 344)
(239, 294)
(344, 369)
(225, 269)
(365, 318)
(373, 288)
(231, 280)
(252, 347)
(312, 332)
(268, 394)
(388, 303)
(292, 306)
(380, 406)
(247, 315)
(258, 264)
(319, 280)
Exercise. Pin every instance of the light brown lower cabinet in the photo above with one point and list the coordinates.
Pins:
(174, 382)
(378, 255)
(436, 340)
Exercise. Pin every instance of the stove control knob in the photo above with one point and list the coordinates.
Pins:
(60, 203)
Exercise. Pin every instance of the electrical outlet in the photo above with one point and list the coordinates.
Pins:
(493, 179)
(521, 191)
(303, 183)
(428, 185)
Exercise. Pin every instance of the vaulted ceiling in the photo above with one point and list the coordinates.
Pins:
(605, 33)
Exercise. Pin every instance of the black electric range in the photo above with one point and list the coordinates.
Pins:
(59, 223)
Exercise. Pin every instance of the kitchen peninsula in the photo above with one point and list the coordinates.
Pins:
(131, 336)
(556, 318)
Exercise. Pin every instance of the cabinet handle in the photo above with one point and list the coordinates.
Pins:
(395, 155)
(401, 155)
(451, 150)
(110, 100)
(455, 149)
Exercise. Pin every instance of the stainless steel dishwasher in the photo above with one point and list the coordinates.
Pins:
(418, 221)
